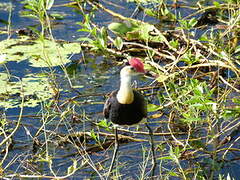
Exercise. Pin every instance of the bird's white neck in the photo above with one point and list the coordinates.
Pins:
(125, 92)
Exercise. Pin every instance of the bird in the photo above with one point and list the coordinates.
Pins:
(126, 106)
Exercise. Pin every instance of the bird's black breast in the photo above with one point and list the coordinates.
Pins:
(125, 114)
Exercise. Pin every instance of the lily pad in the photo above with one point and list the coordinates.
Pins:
(40, 53)
(33, 88)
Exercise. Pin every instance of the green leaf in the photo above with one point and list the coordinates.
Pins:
(49, 4)
(204, 38)
(103, 32)
(191, 120)
(28, 14)
(172, 173)
(150, 12)
(153, 107)
(40, 53)
(122, 28)
(85, 39)
(118, 42)
(102, 43)
(93, 135)
(165, 158)
(236, 100)
(57, 16)
(33, 88)
(162, 78)
(105, 124)
(192, 22)
(131, 30)
(237, 49)
(174, 43)
(73, 167)
(217, 4)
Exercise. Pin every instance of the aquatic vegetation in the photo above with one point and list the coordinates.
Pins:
(33, 88)
(55, 74)
(40, 53)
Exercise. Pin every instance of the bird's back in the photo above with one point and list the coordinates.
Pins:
(125, 114)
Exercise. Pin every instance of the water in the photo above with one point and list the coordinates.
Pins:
(93, 76)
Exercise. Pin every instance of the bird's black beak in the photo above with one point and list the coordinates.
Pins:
(149, 74)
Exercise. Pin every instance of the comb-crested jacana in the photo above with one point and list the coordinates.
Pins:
(127, 106)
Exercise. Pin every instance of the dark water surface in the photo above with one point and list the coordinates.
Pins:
(97, 75)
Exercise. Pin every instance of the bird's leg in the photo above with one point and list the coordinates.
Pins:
(114, 152)
(153, 150)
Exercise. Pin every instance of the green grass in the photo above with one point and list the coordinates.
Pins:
(193, 97)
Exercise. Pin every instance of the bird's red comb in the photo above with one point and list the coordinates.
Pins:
(137, 64)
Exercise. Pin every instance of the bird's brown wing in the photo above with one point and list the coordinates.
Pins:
(107, 105)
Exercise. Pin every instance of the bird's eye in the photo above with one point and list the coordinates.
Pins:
(132, 68)
(126, 63)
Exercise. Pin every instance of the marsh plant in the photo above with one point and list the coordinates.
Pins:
(51, 124)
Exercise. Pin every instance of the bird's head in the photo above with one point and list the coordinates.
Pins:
(135, 67)
(125, 94)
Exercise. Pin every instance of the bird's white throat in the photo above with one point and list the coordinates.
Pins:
(125, 93)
